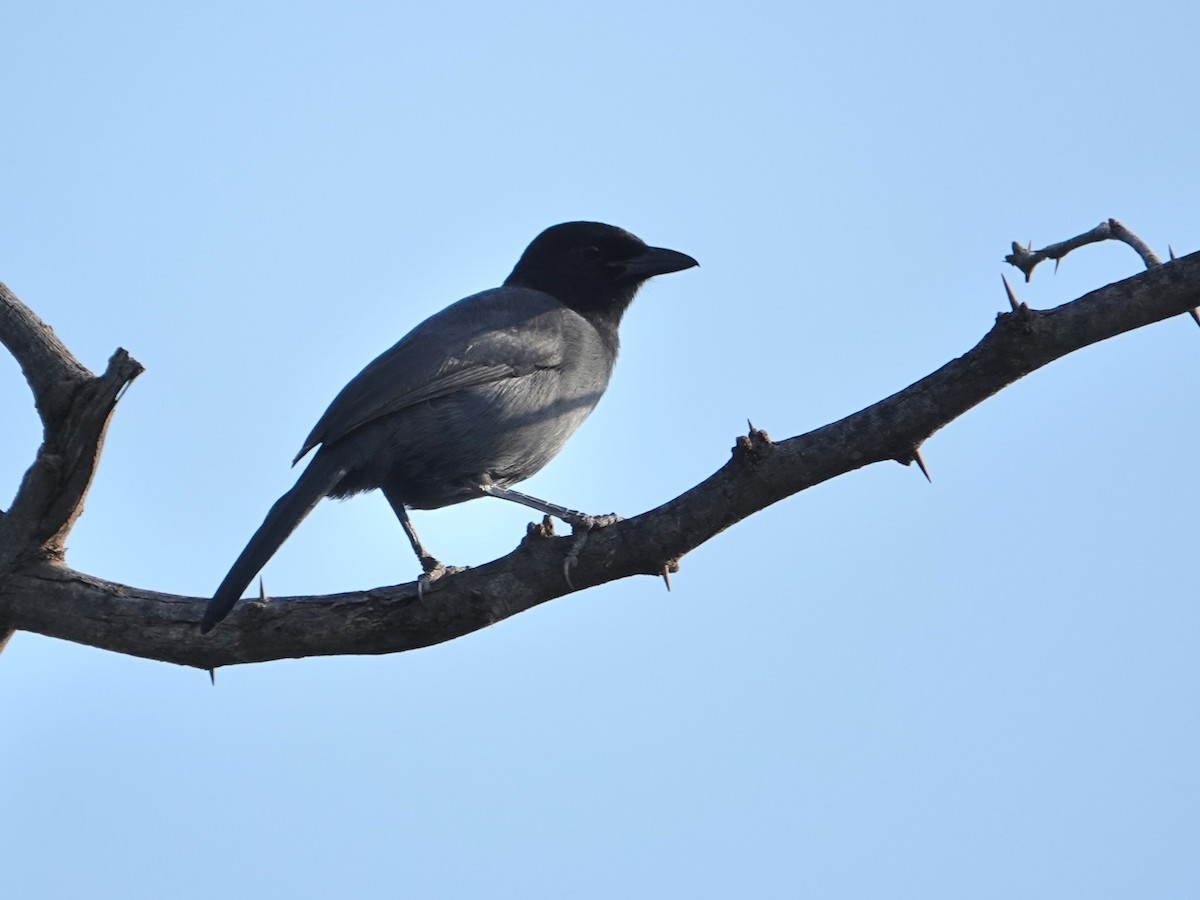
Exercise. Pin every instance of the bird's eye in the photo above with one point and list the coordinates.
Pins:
(591, 253)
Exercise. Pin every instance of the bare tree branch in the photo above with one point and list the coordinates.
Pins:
(75, 407)
(39, 593)
(48, 366)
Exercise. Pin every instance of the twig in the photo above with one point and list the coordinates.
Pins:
(1026, 258)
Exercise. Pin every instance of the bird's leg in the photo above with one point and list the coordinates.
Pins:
(433, 569)
(581, 523)
(573, 517)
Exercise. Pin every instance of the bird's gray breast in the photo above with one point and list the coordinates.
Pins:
(510, 428)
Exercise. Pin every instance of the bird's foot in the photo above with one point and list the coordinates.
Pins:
(581, 526)
(433, 571)
(585, 523)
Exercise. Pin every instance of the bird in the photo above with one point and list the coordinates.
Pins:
(476, 398)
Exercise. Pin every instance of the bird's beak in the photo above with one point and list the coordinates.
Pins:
(654, 261)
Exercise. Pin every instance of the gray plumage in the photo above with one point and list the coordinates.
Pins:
(475, 399)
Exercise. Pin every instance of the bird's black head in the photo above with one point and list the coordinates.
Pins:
(593, 268)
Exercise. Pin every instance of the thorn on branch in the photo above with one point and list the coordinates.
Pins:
(1012, 298)
(921, 464)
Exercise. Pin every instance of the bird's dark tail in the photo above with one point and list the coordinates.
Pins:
(288, 512)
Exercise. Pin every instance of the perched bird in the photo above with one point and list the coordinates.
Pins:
(476, 398)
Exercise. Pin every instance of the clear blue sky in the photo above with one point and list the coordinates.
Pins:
(983, 688)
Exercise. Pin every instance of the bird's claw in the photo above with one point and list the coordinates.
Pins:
(581, 526)
(433, 571)
(573, 555)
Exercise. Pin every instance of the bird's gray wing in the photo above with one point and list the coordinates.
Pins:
(503, 333)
